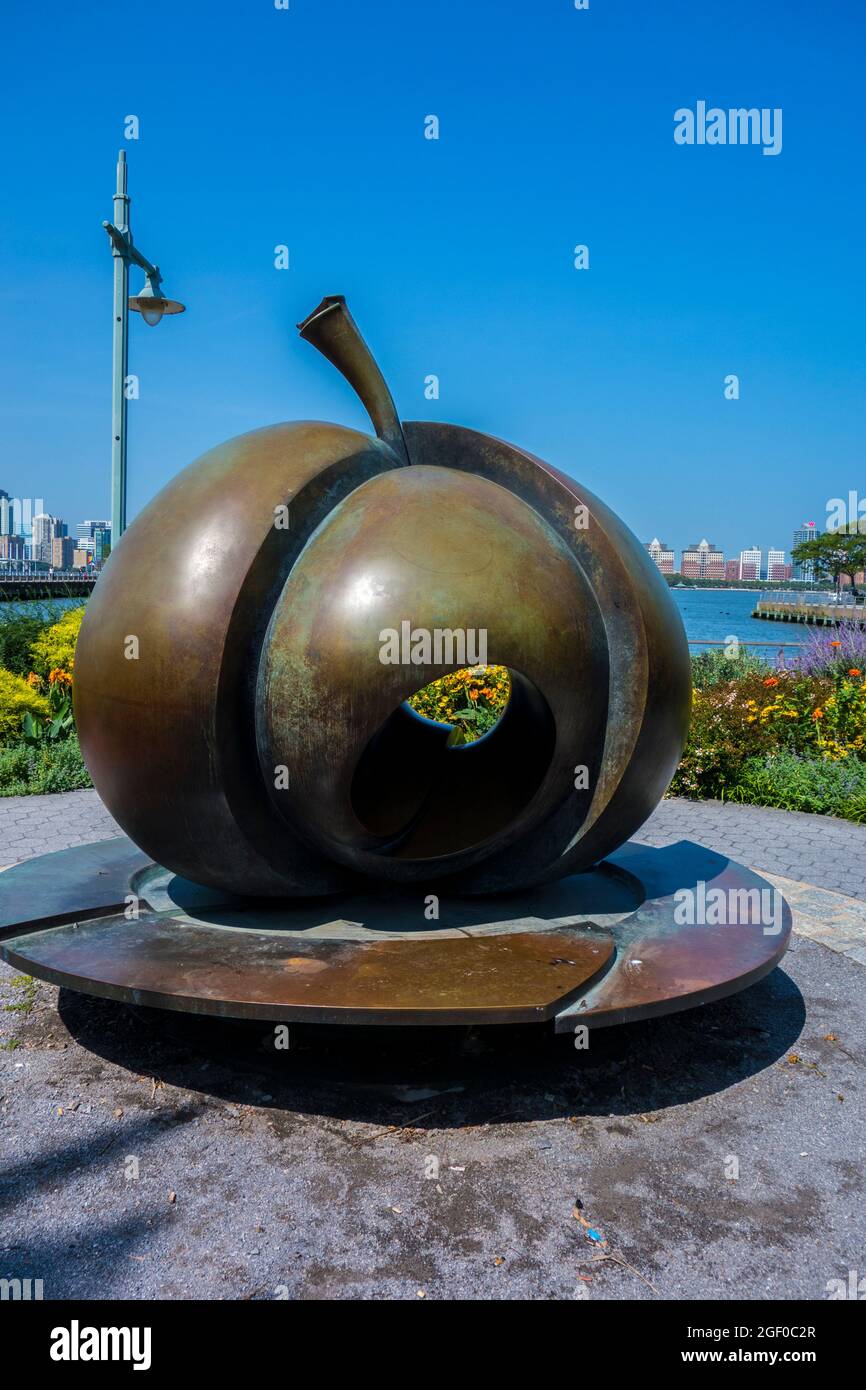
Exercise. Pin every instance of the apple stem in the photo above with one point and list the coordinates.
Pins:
(331, 329)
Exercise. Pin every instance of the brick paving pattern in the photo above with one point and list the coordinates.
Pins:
(811, 849)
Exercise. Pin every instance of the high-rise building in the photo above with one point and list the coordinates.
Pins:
(806, 532)
(750, 563)
(46, 529)
(95, 536)
(85, 529)
(17, 515)
(43, 535)
(11, 547)
(661, 555)
(732, 569)
(776, 566)
(101, 543)
(62, 548)
(702, 561)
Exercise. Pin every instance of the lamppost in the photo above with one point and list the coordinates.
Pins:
(151, 304)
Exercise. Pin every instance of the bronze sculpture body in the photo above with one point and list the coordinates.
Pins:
(242, 711)
(267, 655)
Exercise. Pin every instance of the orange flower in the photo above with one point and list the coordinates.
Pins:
(59, 677)
(34, 680)
(771, 680)
(818, 714)
(473, 694)
(855, 671)
(835, 644)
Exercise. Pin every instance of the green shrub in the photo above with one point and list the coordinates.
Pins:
(794, 783)
(54, 646)
(813, 717)
(715, 668)
(52, 767)
(18, 632)
(17, 699)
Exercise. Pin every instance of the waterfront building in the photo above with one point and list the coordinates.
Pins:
(661, 555)
(702, 561)
(732, 570)
(776, 566)
(11, 547)
(806, 532)
(85, 529)
(42, 536)
(96, 537)
(62, 550)
(101, 543)
(750, 563)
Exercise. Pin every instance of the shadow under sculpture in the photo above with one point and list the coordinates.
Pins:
(310, 848)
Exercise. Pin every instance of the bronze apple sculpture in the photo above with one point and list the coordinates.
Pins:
(255, 588)
(302, 845)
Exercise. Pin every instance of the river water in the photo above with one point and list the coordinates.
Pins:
(709, 614)
(716, 614)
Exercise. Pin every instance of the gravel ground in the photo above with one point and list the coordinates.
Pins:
(439, 1166)
(718, 1153)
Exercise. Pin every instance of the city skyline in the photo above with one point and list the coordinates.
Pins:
(703, 559)
(17, 516)
(31, 534)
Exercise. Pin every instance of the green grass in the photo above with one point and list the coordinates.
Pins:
(27, 985)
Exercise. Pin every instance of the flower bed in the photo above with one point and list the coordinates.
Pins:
(39, 749)
(790, 736)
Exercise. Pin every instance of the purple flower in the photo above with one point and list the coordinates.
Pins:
(828, 649)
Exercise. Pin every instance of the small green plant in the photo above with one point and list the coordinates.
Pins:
(26, 770)
(715, 668)
(27, 985)
(794, 783)
(60, 722)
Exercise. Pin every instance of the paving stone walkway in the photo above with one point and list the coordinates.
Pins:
(31, 825)
(819, 850)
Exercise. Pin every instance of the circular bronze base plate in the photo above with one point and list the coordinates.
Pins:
(602, 947)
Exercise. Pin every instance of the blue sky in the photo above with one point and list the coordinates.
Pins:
(305, 127)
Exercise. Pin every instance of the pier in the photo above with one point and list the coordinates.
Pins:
(819, 610)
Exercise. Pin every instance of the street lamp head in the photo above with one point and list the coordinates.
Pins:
(152, 304)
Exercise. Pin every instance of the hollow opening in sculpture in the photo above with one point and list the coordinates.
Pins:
(470, 702)
(424, 793)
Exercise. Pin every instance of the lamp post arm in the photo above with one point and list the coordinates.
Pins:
(123, 246)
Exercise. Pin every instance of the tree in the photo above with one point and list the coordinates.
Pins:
(835, 555)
